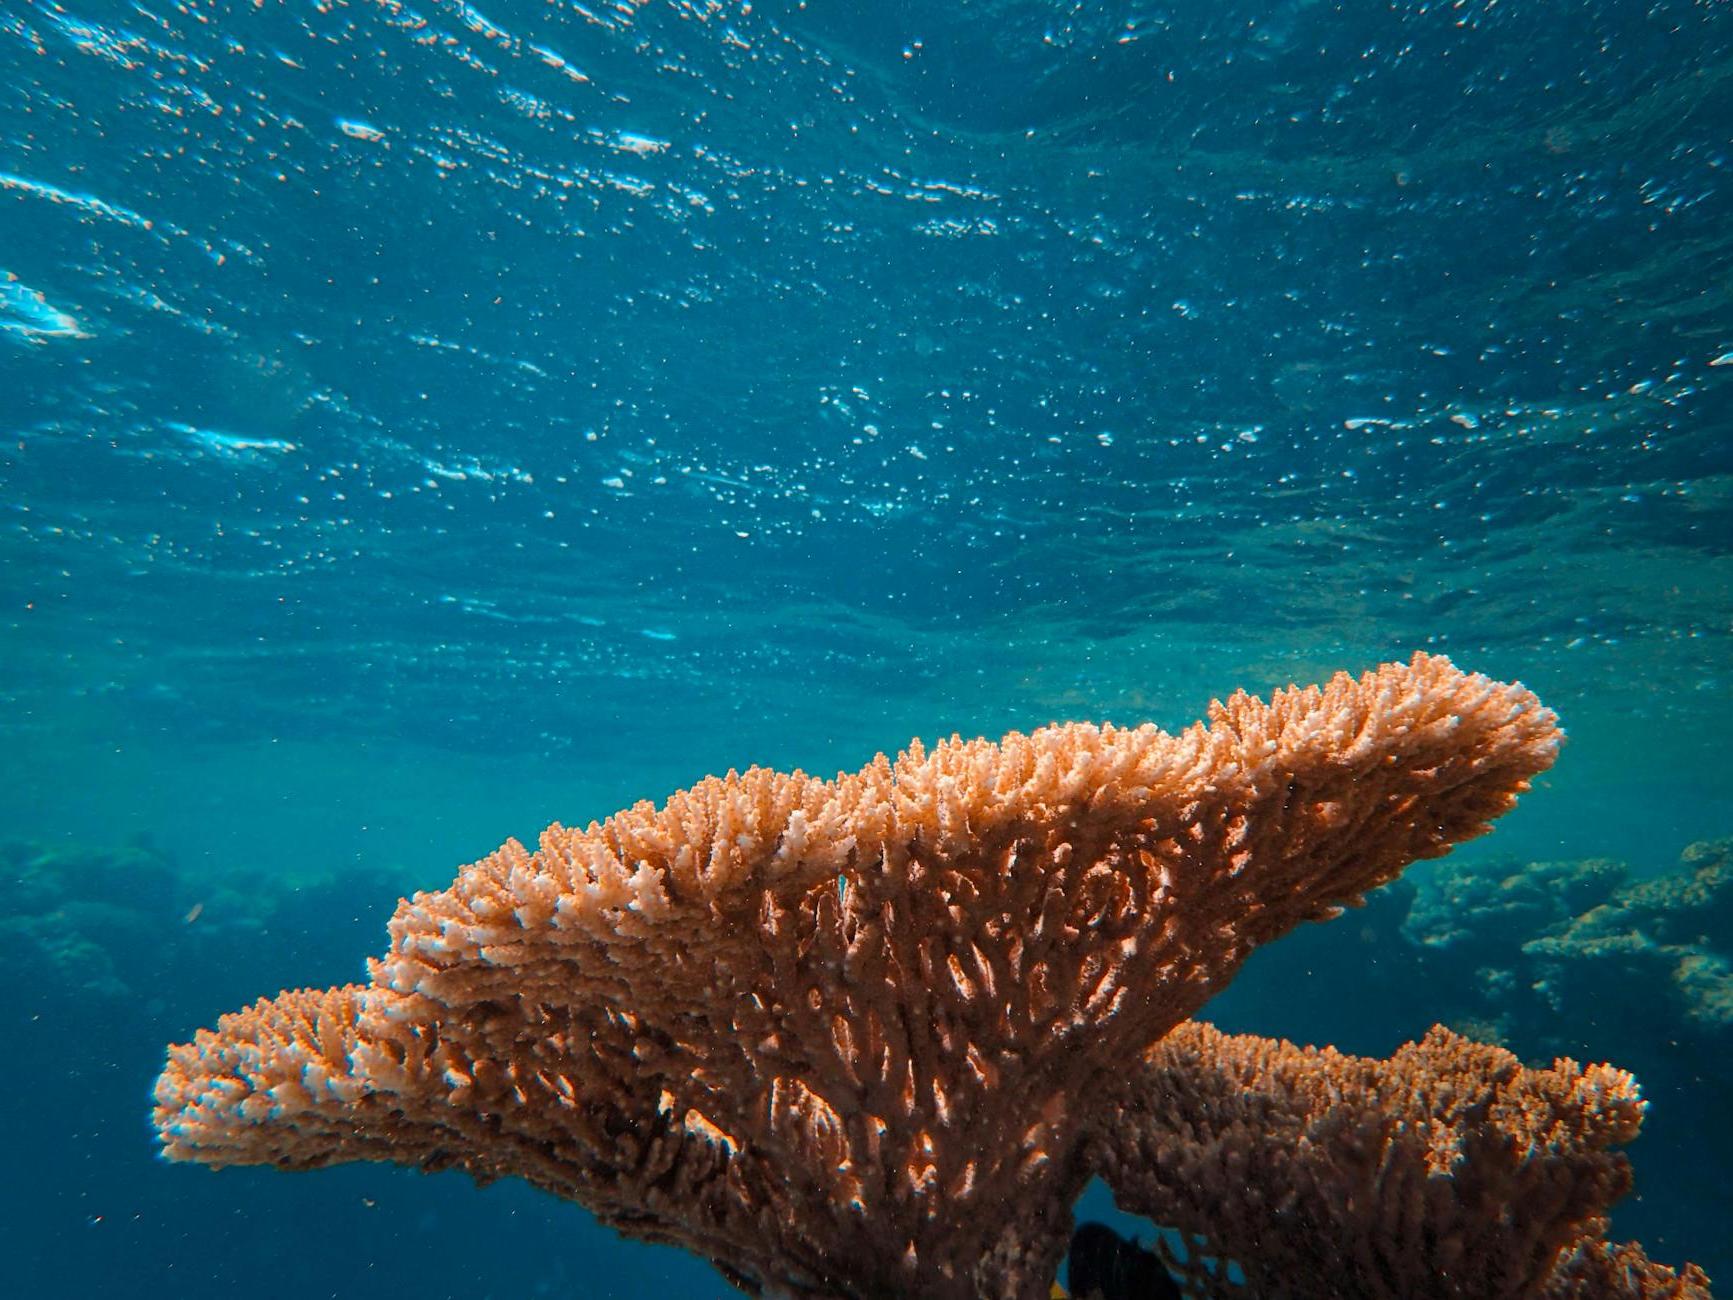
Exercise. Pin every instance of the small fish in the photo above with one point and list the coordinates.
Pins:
(1103, 1264)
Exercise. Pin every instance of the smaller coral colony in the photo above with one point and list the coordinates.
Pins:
(870, 1037)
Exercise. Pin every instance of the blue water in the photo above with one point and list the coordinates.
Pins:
(419, 423)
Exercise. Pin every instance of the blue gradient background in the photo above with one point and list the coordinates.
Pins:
(418, 424)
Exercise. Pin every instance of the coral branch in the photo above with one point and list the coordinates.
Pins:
(843, 1038)
(1448, 1170)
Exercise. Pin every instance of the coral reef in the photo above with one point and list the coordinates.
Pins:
(74, 912)
(1582, 937)
(1447, 1170)
(1672, 933)
(105, 929)
(112, 949)
(1550, 959)
(847, 1038)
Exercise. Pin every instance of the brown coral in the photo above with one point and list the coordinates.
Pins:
(843, 1038)
(1448, 1170)
(1597, 1269)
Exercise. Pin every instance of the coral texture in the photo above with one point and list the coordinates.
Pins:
(1585, 959)
(845, 1038)
(1597, 1269)
(1447, 1170)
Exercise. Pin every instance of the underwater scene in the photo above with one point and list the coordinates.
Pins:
(424, 425)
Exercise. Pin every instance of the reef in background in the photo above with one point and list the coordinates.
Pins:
(1567, 958)
(116, 927)
(1547, 958)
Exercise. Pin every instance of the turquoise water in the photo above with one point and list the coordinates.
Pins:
(419, 424)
